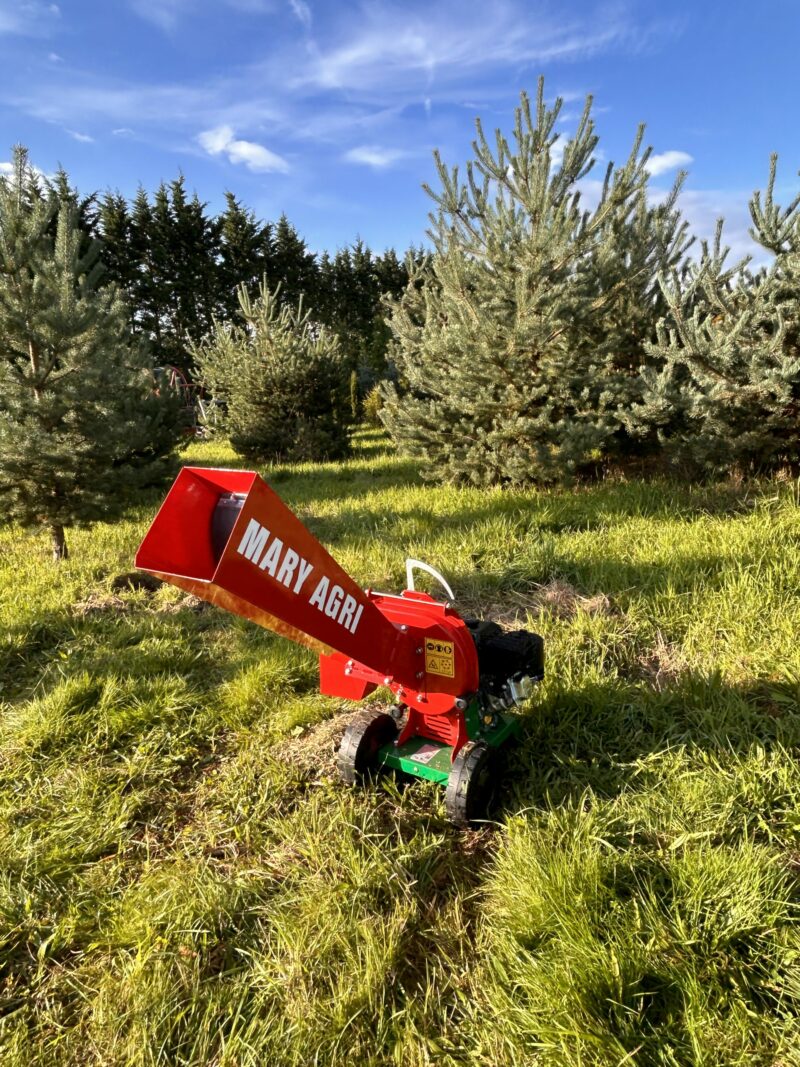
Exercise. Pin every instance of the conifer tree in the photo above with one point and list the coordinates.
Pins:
(148, 296)
(351, 287)
(723, 386)
(81, 425)
(119, 258)
(292, 268)
(496, 338)
(244, 254)
(165, 257)
(280, 382)
(191, 274)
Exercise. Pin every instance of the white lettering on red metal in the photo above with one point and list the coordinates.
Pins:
(252, 543)
(286, 565)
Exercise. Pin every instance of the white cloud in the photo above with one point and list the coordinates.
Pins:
(664, 161)
(302, 12)
(374, 156)
(28, 18)
(84, 138)
(254, 156)
(7, 167)
(217, 140)
(702, 208)
(73, 102)
(122, 131)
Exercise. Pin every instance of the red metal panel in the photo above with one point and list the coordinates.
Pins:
(427, 693)
(175, 544)
(272, 569)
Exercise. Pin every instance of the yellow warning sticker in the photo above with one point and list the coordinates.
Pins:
(439, 658)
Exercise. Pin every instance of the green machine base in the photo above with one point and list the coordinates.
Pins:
(423, 758)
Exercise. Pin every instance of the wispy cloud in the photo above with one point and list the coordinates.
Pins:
(84, 138)
(450, 40)
(221, 141)
(80, 98)
(167, 14)
(374, 156)
(352, 81)
(162, 13)
(28, 18)
(302, 12)
(666, 161)
(122, 131)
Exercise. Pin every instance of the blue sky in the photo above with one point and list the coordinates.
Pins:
(330, 111)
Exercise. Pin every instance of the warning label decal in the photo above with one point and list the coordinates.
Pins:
(439, 658)
(425, 753)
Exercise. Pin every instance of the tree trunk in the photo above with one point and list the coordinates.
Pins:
(59, 543)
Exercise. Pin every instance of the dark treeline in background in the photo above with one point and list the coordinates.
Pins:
(179, 268)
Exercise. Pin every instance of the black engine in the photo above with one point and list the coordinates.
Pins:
(509, 663)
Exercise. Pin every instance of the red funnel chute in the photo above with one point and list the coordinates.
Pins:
(268, 568)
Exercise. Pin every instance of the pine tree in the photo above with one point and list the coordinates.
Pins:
(723, 387)
(85, 207)
(81, 425)
(280, 382)
(496, 336)
(325, 306)
(392, 273)
(622, 275)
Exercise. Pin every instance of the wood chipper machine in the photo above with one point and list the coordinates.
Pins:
(225, 536)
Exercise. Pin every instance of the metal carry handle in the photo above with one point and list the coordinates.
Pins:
(417, 565)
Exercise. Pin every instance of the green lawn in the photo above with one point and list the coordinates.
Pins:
(182, 881)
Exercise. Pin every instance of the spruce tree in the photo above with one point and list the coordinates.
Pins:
(81, 424)
(502, 378)
(280, 382)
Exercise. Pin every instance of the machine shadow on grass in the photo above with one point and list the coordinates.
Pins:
(592, 737)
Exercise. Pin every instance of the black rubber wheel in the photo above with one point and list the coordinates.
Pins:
(367, 732)
(471, 784)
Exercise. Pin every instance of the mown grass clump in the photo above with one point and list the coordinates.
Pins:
(182, 881)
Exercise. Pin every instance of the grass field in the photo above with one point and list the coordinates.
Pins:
(182, 881)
